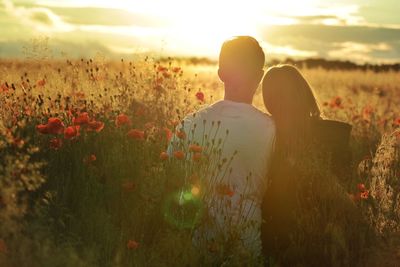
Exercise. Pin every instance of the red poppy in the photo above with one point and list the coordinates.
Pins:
(81, 119)
(164, 155)
(96, 126)
(55, 143)
(42, 128)
(181, 134)
(195, 148)
(4, 87)
(166, 75)
(128, 186)
(89, 159)
(224, 190)
(132, 244)
(364, 195)
(121, 120)
(136, 134)
(41, 82)
(200, 96)
(196, 156)
(71, 132)
(179, 154)
(361, 187)
(336, 102)
(3, 247)
(176, 69)
(397, 122)
(168, 134)
(55, 126)
(162, 69)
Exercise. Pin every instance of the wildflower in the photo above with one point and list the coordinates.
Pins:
(164, 155)
(195, 148)
(162, 69)
(181, 134)
(128, 186)
(42, 128)
(55, 143)
(136, 134)
(4, 87)
(200, 96)
(89, 159)
(367, 112)
(121, 120)
(166, 75)
(196, 156)
(41, 82)
(81, 119)
(176, 70)
(224, 190)
(96, 126)
(364, 195)
(361, 187)
(132, 244)
(158, 87)
(168, 134)
(179, 154)
(71, 132)
(336, 102)
(397, 122)
(55, 126)
(3, 247)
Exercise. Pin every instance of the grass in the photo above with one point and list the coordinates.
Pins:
(106, 198)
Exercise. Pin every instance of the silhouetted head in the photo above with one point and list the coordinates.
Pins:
(290, 100)
(241, 63)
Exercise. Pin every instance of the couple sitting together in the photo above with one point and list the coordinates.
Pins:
(267, 147)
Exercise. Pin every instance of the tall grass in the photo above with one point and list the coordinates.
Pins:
(107, 197)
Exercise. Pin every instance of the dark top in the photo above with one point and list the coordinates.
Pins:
(280, 201)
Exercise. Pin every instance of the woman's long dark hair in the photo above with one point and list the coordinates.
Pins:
(291, 102)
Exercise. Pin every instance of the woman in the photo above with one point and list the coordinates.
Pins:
(307, 150)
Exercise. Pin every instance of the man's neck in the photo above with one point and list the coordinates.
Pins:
(236, 96)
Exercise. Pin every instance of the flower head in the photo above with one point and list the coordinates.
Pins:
(55, 126)
(132, 244)
(96, 126)
(136, 134)
(164, 155)
(121, 120)
(41, 82)
(195, 148)
(71, 132)
(42, 128)
(55, 143)
(81, 119)
(200, 96)
(128, 186)
(181, 134)
(224, 190)
(179, 154)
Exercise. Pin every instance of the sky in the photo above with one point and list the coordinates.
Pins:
(356, 30)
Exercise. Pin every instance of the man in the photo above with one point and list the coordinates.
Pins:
(245, 138)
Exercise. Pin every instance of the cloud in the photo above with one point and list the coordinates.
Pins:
(287, 50)
(38, 18)
(359, 52)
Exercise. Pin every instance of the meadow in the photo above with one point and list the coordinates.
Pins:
(85, 179)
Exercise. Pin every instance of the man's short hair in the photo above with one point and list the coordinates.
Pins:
(241, 52)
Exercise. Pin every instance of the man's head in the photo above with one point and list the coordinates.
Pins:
(241, 63)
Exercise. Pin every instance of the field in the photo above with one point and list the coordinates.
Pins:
(85, 180)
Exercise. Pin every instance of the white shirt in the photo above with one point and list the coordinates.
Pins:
(251, 135)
